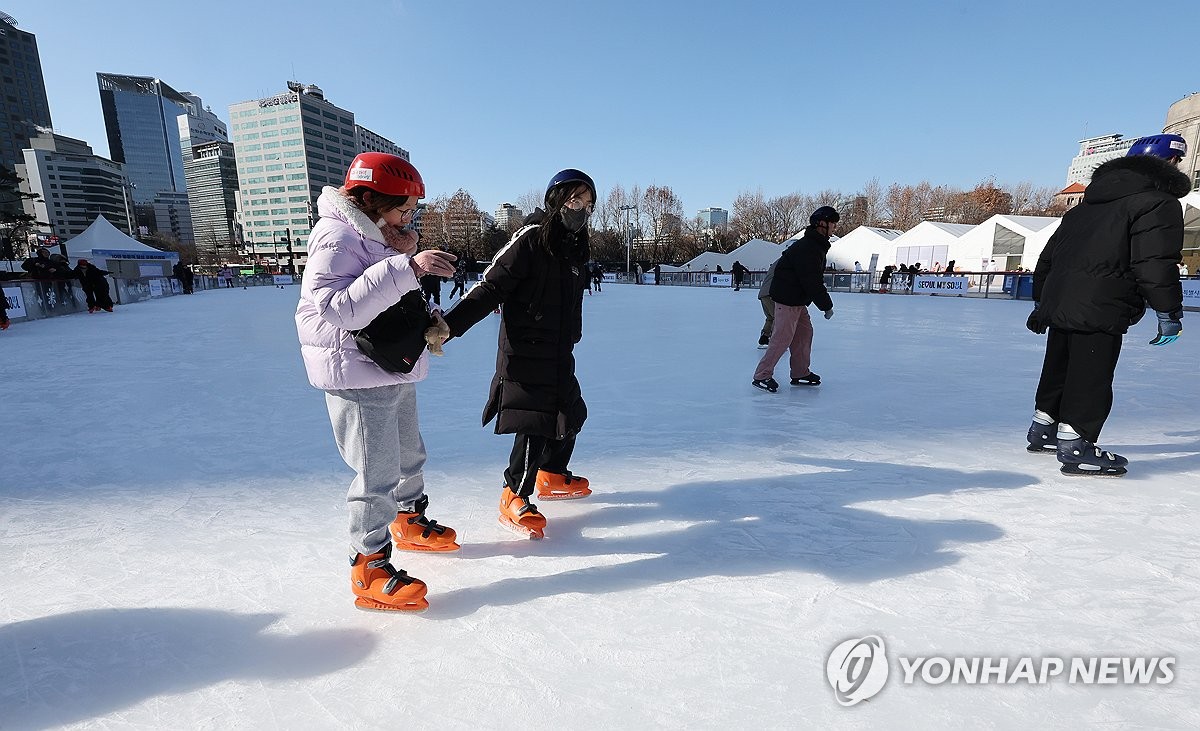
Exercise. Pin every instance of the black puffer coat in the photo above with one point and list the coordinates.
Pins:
(534, 390)
(1116, 252)
(800, 274)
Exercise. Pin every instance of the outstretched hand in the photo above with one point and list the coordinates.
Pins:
(433, 261)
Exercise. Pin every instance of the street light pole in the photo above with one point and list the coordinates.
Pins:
(628, 237)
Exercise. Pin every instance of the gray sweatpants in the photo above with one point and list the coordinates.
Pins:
(378, 435)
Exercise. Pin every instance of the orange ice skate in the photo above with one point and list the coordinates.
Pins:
(555, 486)
(379, 586)
(521, 516)
(414, 532)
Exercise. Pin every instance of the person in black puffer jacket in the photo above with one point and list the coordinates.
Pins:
(539, 278)
(1113, 255)
(799, 281)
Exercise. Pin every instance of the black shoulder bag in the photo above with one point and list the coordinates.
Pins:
(395, 339)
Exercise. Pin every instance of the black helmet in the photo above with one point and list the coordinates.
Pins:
(824, 213)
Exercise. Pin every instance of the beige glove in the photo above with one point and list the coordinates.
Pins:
(437, 334)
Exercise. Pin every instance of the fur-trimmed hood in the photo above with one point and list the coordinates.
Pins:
(1126, 176)
(333, 202)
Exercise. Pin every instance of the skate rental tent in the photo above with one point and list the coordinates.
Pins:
(107, 247)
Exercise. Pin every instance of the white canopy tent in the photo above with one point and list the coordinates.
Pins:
(927, 243)
(108, 247)
(104, 240)
(860, 244)
(1012, 241)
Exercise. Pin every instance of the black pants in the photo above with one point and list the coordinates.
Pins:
(1077, 377)
(97, 295)
(531, 453)
(459, 287)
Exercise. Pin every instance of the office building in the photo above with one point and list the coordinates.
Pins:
(1092, 152)
(141, 119)
(23, 105)
(74, 184)
(509, 217)
(288, 147)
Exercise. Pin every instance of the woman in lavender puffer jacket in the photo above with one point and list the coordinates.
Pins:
(361, 261)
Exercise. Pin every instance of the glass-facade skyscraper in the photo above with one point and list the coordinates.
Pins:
(141, 118)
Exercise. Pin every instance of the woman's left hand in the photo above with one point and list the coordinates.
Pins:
(403, 240)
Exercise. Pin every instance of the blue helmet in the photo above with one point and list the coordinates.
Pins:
(571, 175)
(1167, 147)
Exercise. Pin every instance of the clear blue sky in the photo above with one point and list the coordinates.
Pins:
(710, 98)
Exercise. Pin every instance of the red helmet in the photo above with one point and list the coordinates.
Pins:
(384, 173)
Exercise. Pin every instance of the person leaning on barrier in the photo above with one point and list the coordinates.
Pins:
(95, 286)
(41, 266)
(1114, 254)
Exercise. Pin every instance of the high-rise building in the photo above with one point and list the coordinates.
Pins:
(288, 147)
(141, 118)
(714, 218)
(212, 178)
(75, 185)
(1092, 152)
(198, 126)
(509, 217)
(210, 171)
(23, 105)
(369, 141)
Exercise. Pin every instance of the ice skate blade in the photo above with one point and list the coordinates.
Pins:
(529, 533)
(445, 548)
(1047, 449)
(370, 605)
(1074, 470)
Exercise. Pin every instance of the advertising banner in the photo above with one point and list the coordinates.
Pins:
(940, 285)
(14, 302)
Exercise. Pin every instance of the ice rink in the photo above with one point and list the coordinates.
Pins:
(173, 528)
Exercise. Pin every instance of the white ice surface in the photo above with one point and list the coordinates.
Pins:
(172, 528)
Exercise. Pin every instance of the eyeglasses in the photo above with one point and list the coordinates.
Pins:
(408, 214)
(579, 204)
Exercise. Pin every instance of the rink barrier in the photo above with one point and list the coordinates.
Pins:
(37, 299)
(978, 285)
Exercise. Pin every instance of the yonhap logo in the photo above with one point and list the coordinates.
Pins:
(857, 669)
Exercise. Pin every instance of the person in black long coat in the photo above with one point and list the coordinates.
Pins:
(539, 277)
(1114, 254)
(95, 286)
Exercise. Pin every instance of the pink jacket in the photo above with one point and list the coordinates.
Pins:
(351, 277)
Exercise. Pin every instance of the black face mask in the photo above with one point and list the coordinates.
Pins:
(574, 220)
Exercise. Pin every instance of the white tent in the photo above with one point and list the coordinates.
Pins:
(860, 244)
(757, 255)
(928, 243)
(1012, 241)
(708, 261)
(102, 240)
